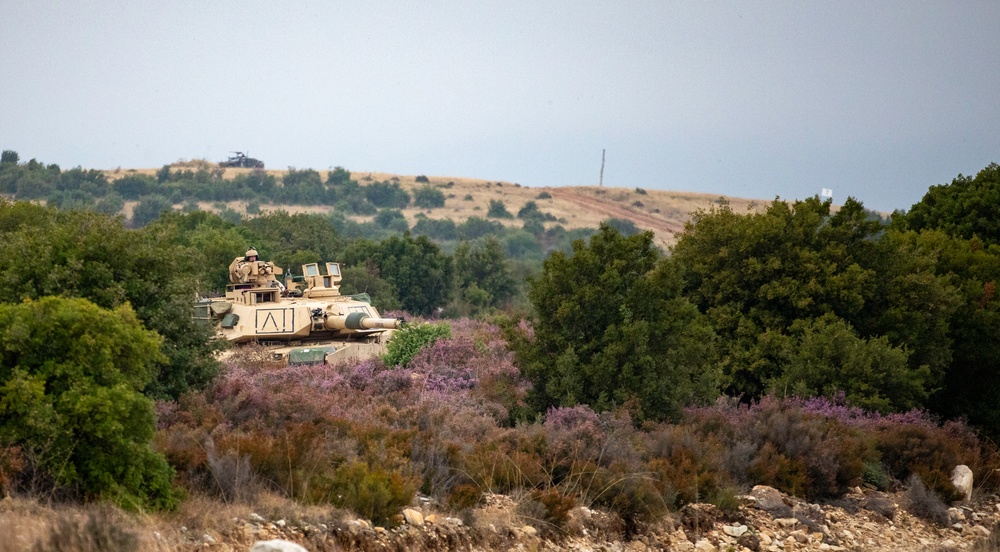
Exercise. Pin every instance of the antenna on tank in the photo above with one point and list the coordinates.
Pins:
(601, 183)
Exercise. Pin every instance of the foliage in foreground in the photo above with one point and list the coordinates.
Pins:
(80, 254)
(449, 424)
(73, 419)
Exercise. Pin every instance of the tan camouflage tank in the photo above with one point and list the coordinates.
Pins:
(304, 320)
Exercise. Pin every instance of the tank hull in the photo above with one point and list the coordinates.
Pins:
(311, 322)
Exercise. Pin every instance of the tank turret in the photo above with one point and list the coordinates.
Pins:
(305, 312)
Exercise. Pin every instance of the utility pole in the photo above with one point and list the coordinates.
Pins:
(601, 184)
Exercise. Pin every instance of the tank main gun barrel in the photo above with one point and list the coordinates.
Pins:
(361, 321)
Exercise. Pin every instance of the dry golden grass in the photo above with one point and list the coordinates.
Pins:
(28, 524)
(663, 212)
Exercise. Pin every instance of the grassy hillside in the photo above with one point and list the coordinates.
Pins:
(663, 212)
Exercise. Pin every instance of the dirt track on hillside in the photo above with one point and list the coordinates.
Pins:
(665, 230)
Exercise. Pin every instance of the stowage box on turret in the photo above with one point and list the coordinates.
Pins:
(305, 320)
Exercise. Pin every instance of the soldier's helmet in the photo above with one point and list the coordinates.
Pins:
(251, 254)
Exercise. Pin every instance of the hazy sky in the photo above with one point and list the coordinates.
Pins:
(877, 100)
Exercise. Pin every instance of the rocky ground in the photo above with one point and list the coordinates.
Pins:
(765, 521)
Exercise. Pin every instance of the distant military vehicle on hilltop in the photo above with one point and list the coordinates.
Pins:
(303, 321)
(242, 161)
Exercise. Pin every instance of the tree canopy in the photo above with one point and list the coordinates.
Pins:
(83, 254)
(611, 329)
(967, 207)
(71, 376)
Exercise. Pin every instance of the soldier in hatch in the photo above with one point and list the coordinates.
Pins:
(248, 269)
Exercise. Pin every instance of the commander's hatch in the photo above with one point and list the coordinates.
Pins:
(321, 285)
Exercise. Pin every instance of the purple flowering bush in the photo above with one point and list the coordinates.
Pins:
(451, 424)
(820, 447)
(305, 431)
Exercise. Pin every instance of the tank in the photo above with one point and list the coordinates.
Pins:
(301, 320)
(242, 161)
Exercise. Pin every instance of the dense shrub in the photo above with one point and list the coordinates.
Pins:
(476, 227)
(374, 493)
(71, 376)
(498, 210)
(405, 343)
(819, 448)
(365, 437)
(530, 211)
(547, 509)
(688, 466)
(305, 431)
(924, 503)
(149, 208)
(437, 229)
(387, 195)
(610, 329)
(427, 197)
(392, 219)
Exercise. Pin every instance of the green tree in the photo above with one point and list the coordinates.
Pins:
(387, 194)
(626, 227)
(338, 176)
(134, 186)
(757, 275)
(149, 208)
(825, 356)
(415, 267)
(392, 219)
(427, 197)
(366, 279)
(209, 243)
(484, 268)
(477, 227)
(611, 328)
(437, 229)
(110, 204)
(71, 376)
(299, 187)
(293, 240)
(498, 210)
(965, 208)
(971, 384)
(84, 254)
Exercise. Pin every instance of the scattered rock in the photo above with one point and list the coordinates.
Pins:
(256, 518)
(413, 517)
(276, 545)
(529, 531)
(881, 505)
(705, 545)
(961, 478)
(734, 530)
(750, 542)
(787, 523)
(767, 498)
